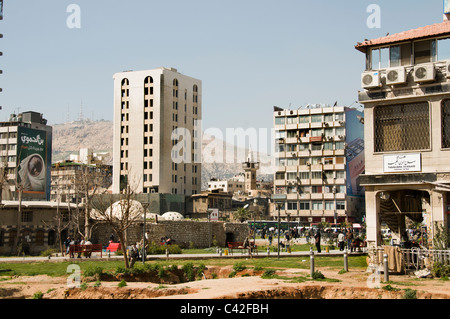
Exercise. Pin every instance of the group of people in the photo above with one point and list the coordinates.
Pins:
(80, 241)
(166, 241)
(137, 251)
(345, 237)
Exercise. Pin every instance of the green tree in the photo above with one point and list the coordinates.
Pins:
(241, 214)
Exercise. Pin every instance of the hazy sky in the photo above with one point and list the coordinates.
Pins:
(249, 54)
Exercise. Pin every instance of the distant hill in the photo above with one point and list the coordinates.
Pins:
(69, 137)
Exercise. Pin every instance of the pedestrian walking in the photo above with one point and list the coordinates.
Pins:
(67, 245)
(349, 237)
(134, 254)
(341, 238)
(317, 240)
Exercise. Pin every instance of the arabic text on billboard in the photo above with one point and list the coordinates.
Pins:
(32, 148)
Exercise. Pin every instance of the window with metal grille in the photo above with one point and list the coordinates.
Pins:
(446, 124)
(403, 127)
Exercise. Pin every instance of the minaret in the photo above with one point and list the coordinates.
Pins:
(250, 167)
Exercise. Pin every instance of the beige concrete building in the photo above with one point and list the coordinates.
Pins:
(406, 94)
(37, 228)
(148, 152)
(232, 185)
(318, 158)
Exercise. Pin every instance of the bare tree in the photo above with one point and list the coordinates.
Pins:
(87, 181)
(60, 221)
(122, 214)
(120, 211)
(3, 176)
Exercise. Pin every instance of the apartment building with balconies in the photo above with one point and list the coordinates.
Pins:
(318, 158)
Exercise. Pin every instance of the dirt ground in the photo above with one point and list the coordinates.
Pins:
(247, 284)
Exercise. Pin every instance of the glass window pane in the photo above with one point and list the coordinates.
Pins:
(384, 58)
(304, 119)
(279, 120)
(375, 59)
(443, 49)
(316, 118)
(406, 54)
(395, 56)
(422, 52)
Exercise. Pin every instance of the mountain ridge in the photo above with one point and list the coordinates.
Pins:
(70, 137)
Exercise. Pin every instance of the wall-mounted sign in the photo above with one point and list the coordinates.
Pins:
(213, 214)
(402, 163)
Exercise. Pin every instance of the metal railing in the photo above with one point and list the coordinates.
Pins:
(416, 258)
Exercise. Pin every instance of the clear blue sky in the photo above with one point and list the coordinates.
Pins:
(250, 54)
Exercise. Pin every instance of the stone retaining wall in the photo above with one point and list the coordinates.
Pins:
(185, 233)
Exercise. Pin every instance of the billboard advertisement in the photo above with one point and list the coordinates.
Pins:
(32, 168)
(354, 129)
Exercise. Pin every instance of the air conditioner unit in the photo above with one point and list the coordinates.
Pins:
(371, 79)
(396, 76)
(424, 73)
(447, 69)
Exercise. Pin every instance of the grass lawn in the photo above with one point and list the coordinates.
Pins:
(60, 268)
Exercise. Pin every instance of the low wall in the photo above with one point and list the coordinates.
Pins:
(185, 233)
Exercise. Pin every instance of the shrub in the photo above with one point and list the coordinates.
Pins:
(268, 274)
(239, 266)
(410, 294)
(161, 272)
(390, 288)
(123, 283)
(121, 270)
(173, 268)
(440, 270)
(93, 272)
(48, 252)
(157, 249)
(317, 275)
(38, 295)
(188, 270)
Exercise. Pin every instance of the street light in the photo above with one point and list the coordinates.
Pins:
(279, 200)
